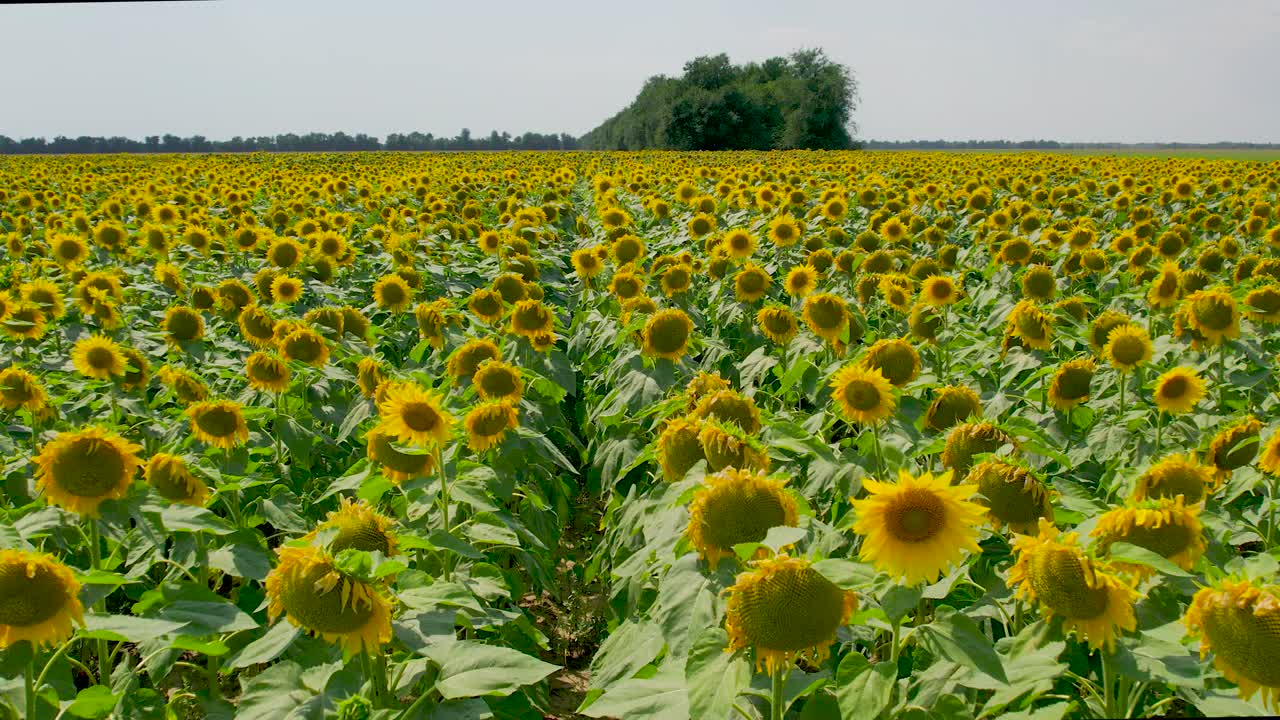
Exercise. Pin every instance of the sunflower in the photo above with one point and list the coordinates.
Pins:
(586, 263)
(1166, 526)
(729, 406)
(314, 595)
(863, 394)
(286, 290)
(219, 423)
(1165, 287)
(826, 315)
(1031, 325)
(174, 481)
(1214, 315)
(1039, 283)
(1178, 390)
(68, 250)
(1102, 326)
(355, 525)
(1235, 446)
(736, 506)
(431, 319)
(918, 526)
(895, 359)
(46, 295)
(968, 440)
(467, 358)
(1263, 304)
(487, 424)
(676, 279)
(783, 609)
(726, 446)
(777, 323)
(1176, 475)
(703, 384)
(24, 321)
(98, 357)
(678, 448)
(414, 415)
(784, 231)
(952, 404)
(1092, 600)
(626, 285)
(800, 281)
(939, 290)
(186, 387)
(897, 290)
(20, 389)
(392, 293)
(39, 600)
(1128, 347)
(1072, 383)
(1011, 493)
(397, 466)
(738, 243)
(79, 470)
(498, 380)
(306, 346)
(751, 283)
(1269, 460)
(1239, 622)
(267, 372)
(182, 324)
(486, 304)
(489, 242)
(667, 334)
(511, 287)
(531, 318)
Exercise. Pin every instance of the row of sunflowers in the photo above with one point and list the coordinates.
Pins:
(740, 435)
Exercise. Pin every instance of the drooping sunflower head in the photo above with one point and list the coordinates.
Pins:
(952, 404)
(667, 334)
(751, 283)
(895, 359)
(1128, 347)
(98, 357)
(396, 465)
(1214, 314)
(1178, 390)
(1239, 622)
(498, 380)
(702, 385)
(1012, 494)
(38, 599)
(219, 423)
(777, 323)
(1072, 383)
(415, 415)
(863, 394)
(917, 527)
(968, 440)
(1235, 446)
(827, 316)
(467, 358)
(1031, 325)
(530, 318)
(783, 609)
(306, 346)
(679, 449)
(1102, 326)
(174, 481)
(21, 389)
(486, 304)
(1177, 475)
(488, 423)
(355, 525)
(729, 406)
(267, 372)
(79, 470)
(726, 446)
(314, 595)
(1166, 526)
(1052, 571)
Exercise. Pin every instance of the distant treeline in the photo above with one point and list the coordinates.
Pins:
(288, 142)
(804, 100)
(1055, 145)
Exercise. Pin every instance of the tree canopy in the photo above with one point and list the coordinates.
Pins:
(805, 100)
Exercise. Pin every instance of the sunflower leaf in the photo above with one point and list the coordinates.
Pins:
(1125, 552)
(957, 637)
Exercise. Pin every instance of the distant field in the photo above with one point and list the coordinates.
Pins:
(1209, 153)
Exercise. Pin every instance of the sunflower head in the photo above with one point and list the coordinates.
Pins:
(1178, 390)
(1039, 283)
(1128, 347)
(1012, 494)
(1072, 383)
(1235, 446)
(751, 283)
(939, 290)
(726, 446)
(21, 389)
(863, 394)
(488, 423)
(729, 406)
(174, 481)
(498, 380)
(702, 385)
(777, 323)
(1102, 326)
(952, 404)
(392, 293)
(1166, 526)
(396, 465)
(895, 359)
(306, 346)
(736, 506)
(531, 318)
(917, 527)
(314, 595)
(968, 440)
(38, 599)
(98, 357)
(1031, 325)
(800, 281)
(782, 609)
(219, 423)
(1239, 622)
(826, 315)
(1052, 571)
(79, 470)
(486, 304)
(415, 415)
(679, 448)
(667, 334)
(1214, 315)
(267, 372)
(355, 525)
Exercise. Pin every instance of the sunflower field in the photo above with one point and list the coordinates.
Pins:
(639, 435)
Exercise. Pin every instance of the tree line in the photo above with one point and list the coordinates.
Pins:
(804, 100)
(288, 142)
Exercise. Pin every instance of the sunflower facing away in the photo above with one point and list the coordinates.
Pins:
(174, 481)
(1052, 571)
(312, 594)
(38, 599)
(358, 526)
(783, 609)
(79, 470)
(1072, 383)
(862, 394)
(414, 415)
(1012, 494)
(917, 527)
(736, 506)
(1239, 622)
(219, 423)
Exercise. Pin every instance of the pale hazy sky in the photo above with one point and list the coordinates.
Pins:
(1086, 70)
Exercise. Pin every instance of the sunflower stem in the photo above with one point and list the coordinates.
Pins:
(775, 704)
(1123, 382)
(29, 681)
(1159, 430)
(275, 429)
(1272, 499)
(1222, 375)
(444, 507)
(211, 671)
(1108, 699)
(95, 562)
(875, 437)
